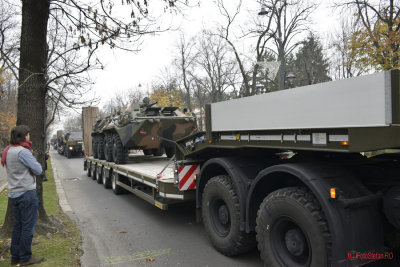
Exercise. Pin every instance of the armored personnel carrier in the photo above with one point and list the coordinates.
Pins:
(142, 126)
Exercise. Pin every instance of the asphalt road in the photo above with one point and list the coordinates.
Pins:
(125, 230)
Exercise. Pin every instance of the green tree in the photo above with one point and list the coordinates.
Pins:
(310, 65)
(376, 43)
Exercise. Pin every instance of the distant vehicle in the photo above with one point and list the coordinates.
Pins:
(73, 144)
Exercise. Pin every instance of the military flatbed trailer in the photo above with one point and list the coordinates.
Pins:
(303, 174)
(150, 178)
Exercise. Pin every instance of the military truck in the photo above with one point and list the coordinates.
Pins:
(73, 144)
(141, 126)
(288, 172)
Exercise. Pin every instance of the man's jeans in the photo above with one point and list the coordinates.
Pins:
(25, 210)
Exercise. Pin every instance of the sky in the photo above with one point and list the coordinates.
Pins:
(124, 70)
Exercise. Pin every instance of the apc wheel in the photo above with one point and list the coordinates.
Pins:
(120, 154)
(106, 179)
(292, 230)
(221, 218)
(147, 152)
(94, 172)
(115, 188)
(100, 147)
(108, 147)
(94, 147)
(170, 152)
(157, 152)
(89, 171)
(99, 175)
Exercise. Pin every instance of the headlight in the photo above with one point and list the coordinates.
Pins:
(70, 148)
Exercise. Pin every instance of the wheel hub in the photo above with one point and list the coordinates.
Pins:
(295, 242)
(223, 214)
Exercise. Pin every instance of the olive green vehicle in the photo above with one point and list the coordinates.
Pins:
(73, 144)
(142, 126)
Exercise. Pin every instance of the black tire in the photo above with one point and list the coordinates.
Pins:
(221, 218)
(108, 147)
(115, 188)
(106, 179)
(100, 147)
(94, 172)
(89, 171)
(147, 152)
(157, 152)
(170, 152)
(94, 147)
(120, 154)
(99, 174)
(292, 230)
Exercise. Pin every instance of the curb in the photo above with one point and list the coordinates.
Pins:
(3, 186)
(62, 199)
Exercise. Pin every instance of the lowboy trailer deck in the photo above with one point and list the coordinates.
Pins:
(288, 172)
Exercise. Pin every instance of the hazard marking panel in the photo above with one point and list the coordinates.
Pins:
(186, 176)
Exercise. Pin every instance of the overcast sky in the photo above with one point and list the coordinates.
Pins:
(124, 70)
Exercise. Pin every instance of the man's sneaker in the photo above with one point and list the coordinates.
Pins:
(14, 262)
(32, 261)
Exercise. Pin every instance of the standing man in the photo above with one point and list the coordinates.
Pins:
(21, 170)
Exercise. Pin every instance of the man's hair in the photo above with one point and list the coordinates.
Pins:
(18, 134)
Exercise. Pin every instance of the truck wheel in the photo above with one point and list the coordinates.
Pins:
(120, 154)
(292, 229)
(99, 174)
(69, 154)
(100, 146)
(221, 218)
(157, 152)
(170, 151)
(115, 188)
(106, 179)
(94, 147)
(94, 172)
(147, 152)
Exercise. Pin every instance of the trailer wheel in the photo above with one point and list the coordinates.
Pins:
(94, 172)
(100, 146)
(147, 152)
(221, 217)
(108, 147)
(120, 154)
(157, 152)
(99, 174)
(94, 147)
(115, 188)
(292, 229)
(106, 179)
(170, 151)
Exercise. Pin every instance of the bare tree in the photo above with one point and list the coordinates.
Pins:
(215, 64)
(290, 18)
(341, 62)
(185, 63)
(262, 32)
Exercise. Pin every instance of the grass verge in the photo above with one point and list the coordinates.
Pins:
(59, 249)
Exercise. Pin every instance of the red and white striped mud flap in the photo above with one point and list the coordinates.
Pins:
(186, 176)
